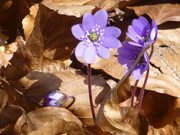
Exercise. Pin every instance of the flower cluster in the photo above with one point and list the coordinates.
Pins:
(96, 38)
(142, 34)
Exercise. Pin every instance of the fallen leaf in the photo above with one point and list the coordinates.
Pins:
(36, 85)
(111, 4)
(28, 21)
(6, 53)
(160, 109)
(11, 14)
(170, 129)
(121, 120)
(70, 8)
(110, 66)
(48, 120)
(3, 99)
(74, 83)
(18, 66)
(161, 13)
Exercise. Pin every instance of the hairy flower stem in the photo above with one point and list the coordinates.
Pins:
(142, 90)
(90, 92)
(134, 93)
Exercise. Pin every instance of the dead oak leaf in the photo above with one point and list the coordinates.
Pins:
(159, 12)
(71, 8)
(53, 120)
(121, 120)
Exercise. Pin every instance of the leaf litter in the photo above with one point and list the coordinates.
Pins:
(37, 65)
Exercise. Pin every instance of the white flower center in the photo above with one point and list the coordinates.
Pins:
(94, 36)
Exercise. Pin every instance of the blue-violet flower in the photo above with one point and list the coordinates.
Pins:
(142, 34)
(55, 98)
(95, 36)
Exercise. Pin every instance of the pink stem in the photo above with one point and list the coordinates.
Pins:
(90, 92)
(134, 93)
(142, 90)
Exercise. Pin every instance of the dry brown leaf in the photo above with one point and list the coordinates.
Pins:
(74, 83)
(6, 53)
(28, 21)
(19, 63)
(48, 121)
(165, 70)
(111, 66)
(59, 127)
(71, 8)
(160, 83)
(121, 120)
(170, 129)
(71, 82)
(160, 109)
(11, 14)
(111, 4)
(50, 66)
(159, 12)
(51, 37)
(3, 99)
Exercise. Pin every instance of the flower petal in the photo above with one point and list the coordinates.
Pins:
(138, 26)
(89, 53)
(103, 52)
(88, 22)
(101, 18)
(132, 34)
(126, 53)
(52, 103)
(135, 44)
(111, 42)
(124, 61)
(77, 31)
(143, 20)
(79, 50)
(112, 31)
(154, 30)
(138, 72)
(55, 95)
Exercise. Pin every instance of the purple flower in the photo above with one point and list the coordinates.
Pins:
(96, 38)
(142, 34)
(55, 98)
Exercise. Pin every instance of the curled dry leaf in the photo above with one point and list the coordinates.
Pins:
(121, 120)
(28, 21)
(159, 12)
(71, 8)
(160, 109)
(48, 121)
